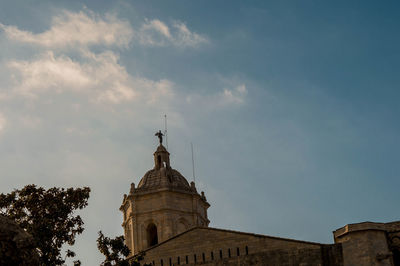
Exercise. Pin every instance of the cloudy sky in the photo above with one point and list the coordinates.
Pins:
(292, 108)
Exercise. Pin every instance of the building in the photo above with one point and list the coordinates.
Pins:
(166, 219)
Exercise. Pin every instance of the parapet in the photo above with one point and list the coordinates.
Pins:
(369, 243)
(365, 226)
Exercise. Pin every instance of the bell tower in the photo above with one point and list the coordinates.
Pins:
(162, 205)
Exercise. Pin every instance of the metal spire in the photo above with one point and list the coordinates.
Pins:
(165, 131)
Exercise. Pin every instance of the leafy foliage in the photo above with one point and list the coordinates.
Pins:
(16, 245)
(48, 216)
(116, 252)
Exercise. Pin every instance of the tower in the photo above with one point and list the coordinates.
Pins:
(161, 206)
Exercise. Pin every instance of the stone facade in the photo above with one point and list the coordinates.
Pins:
(211, 246)
(166, 220)
(370, 243)
(162, 206)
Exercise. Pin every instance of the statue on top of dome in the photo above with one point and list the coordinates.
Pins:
(159, 134)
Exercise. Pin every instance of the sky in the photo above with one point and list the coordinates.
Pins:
(292, 107)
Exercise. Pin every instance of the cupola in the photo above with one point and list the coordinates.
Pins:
(161, 158)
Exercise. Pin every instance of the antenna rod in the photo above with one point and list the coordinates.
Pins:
(194, 177)
(165, 131)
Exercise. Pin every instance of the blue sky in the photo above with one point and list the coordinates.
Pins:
(292, 107)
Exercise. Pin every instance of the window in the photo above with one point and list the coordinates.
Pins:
(204, 257)
(396, 257)
(152, 237)
(179, 261)
(238, 251)
(187, 259)
(229, 252)
(170, 262)
(161, 262)
(247, 250)
(195, 259)
(212, 255)
(220, 253)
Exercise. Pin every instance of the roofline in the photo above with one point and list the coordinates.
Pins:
(139, 191)
(363, 226)
(229, 231)
(159, 190)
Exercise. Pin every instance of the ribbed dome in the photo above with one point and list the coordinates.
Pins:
(163, 178)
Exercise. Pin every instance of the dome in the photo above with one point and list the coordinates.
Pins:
(163, 176)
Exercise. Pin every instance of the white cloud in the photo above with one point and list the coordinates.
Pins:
(154, 32)
(160, 91)
(185, 37)
(235, 95)
(49, 72)
(85, 28)
(99, 76)
(75, 30)
(157, 33)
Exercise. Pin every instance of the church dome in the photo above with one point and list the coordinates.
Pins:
(162, 176)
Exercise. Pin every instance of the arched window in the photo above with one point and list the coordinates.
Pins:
(159, 160)
(181, 227)
(152, 237)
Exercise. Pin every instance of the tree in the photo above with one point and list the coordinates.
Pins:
(48, 216)
(16, 245)
(116, 252)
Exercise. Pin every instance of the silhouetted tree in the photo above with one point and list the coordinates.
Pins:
(116, 252)
(16, 245)
(48, 216)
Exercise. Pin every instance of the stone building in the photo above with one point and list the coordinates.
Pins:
(161, 206)
(165, 218)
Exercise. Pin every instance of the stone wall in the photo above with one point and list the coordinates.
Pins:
(328, 255)
(362, 248)
(209, 246)
(369, 244)
(171, 212)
